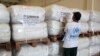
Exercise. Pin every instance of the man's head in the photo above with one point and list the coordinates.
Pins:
(76, 16)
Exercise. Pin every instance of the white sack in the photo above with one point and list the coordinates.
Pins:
(95, 16)
(84, 15)
(83, 43)
(54, 48)
(95, 40)
(54, 27)
(94, 26)
(29, 32)
(4, 14)
(94, 50)
(5, 53)
(4, 33)
(83, 52)
(27, 14)
(84, 27)
(57, 12)
(27, 50)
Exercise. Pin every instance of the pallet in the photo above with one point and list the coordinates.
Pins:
(33, 42)
(6, 46)
(54, 38)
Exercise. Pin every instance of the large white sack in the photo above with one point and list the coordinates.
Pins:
(83, 52)
(57, 12)
(5, 53)
(83, 43)
(94, 50)
(84, 15)
(84, 27)
(4, 14)
(54, 49)
(94, 26)
(27, 14)
(4, 33)
(39, 50)
(95, 16)
(54, 27)
(29, 32)
(95, 40)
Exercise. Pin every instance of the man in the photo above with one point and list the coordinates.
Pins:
(72, 32)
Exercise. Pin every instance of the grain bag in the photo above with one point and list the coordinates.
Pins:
(94, 26)
(83, 43)
(84, 15)
(4, 33)
(54, 27)
(95, 16)
(83, 52)
(94, 50)
(54, 49)
(27, 50)
(27, 14)
(95, 40)
(84, 27)
(4, 14)
(57, 12)
(5, 53)
(28, 32)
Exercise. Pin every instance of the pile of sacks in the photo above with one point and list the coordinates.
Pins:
(95, 27)
(5, 53)
(54, 18)
(28, 22)
(4, 24)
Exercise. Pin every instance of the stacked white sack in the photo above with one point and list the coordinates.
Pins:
(57, 12)
(4, 33)
(27, 14)
(83, 52)
(4, 14)
(29, 32)
(95, 40)
(84, 15)
(83, 43)
(94, 26)
(54, 27)
(84, 27)
(94, 50)
(27, 50)
(5, 53)
(54, 49)
(95, 16)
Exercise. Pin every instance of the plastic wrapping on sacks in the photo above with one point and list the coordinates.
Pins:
(29, 32)
(83, 52)
(21, 13)
(54, 27)
(84, 15)
(95, 40)
(57, 12)
(94, 26)
(94, 50)
(84, 27)
(5, 53)
(39, 50)
(4, 14)
(4, 33)
(54, 48)
(95, 16)
(83, 43)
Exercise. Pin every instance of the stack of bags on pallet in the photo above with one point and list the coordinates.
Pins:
(95, 27)
(39, 50)
(54, 18)
(83, 44)
(28, 22)
(4, 24)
